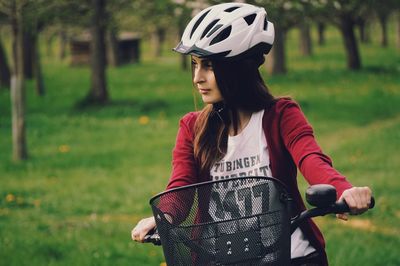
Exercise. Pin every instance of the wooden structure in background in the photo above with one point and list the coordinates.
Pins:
(128, 49)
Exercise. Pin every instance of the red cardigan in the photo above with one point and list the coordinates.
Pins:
(291, 145)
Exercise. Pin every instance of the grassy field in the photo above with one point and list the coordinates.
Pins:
(92, 170)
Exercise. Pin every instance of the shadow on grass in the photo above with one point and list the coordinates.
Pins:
(391, 70)
(120, 106)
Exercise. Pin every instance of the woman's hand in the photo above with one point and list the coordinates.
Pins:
(142, 228)
(358, 199)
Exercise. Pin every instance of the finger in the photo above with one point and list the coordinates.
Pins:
(144, 232)
(367, 194)
(364, 198)
(351, 202)
(342, 216)
(358, 197)
(133, 235)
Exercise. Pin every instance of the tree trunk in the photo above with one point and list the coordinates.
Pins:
(63, 44)
(17, 89)
(29, 51)
(98, 93)
(184, 60)
(4, 69)
(276, 61)
(158, 37)
(305, 39)
(37, 68)
(383, 23)
(112, 48)
(350, 42)
(321, 33)
(364, 30)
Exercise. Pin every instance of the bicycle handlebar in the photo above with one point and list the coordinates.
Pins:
(335, 208)
(342, 207)
(153, 237)
(338, 207)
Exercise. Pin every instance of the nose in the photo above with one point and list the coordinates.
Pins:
(198, 75)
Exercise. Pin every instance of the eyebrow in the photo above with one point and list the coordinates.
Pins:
(203, 61)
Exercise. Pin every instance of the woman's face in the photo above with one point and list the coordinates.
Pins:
(204, 80)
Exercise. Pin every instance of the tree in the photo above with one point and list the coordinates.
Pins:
(344, 14)
(182, 11)
(159, 16)
(277, 57)
(383, 9)
(305, 38)
(15, 12)
(398, 29)
(346, 26)
(35, 14)
(364, 24)
(97, 15)
(285, 15)
(23, 17)
(5, 75)
(321, 32)
(90, 14)
(118, 18)
(98, 93)
(112, 46)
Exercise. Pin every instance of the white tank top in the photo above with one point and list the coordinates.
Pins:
(247, 155)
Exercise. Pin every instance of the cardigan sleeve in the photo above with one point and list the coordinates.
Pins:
(184, 170)
(177, 204)
(298, 137)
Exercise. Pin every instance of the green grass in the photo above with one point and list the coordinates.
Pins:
(91, 171)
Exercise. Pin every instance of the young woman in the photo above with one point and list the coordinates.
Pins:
(243, 122)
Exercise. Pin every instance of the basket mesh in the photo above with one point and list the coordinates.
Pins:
(241, 221)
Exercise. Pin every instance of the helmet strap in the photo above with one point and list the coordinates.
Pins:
(221, 111)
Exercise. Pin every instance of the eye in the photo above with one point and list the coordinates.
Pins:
(207, 64)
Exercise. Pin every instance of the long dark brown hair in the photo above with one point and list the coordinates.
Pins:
(242, 88)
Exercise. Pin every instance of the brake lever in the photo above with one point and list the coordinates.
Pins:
(152, 237)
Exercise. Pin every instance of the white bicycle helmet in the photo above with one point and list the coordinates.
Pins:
(229, 31)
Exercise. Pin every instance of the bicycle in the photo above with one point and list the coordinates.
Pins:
(239, 221)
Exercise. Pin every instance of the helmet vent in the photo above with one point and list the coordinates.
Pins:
(198, 23)
(214, 29)
(208, 28)
(231, 9)
(222, 35)
(250, 19)
(265, 23)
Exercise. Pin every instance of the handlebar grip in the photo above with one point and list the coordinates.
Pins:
(341, 207)
(152, 237)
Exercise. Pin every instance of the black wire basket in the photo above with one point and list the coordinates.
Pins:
(239, 221)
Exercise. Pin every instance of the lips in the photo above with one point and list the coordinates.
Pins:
(204, 91)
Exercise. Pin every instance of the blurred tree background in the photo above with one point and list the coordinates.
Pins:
(102, 20)
(99, 75)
